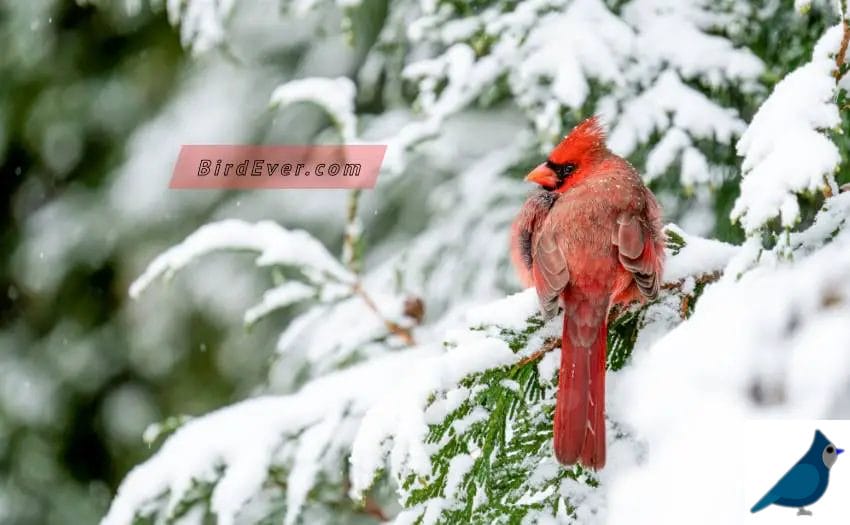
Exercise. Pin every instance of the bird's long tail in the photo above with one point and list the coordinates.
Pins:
(579, 426)
(768, 499)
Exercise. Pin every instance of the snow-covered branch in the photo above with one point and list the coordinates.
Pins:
(427, 416)
(786, 150)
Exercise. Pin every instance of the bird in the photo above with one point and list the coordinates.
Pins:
(806, 481)
(589, 238)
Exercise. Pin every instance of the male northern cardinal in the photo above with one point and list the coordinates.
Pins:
(591, 238)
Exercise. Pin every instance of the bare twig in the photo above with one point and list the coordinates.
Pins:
(370, 506)
(352, 239)
(700, 279)
(686, 297)
(351, 257)
(842, 52)
(547, 346)
(393, 327)
(683, 307)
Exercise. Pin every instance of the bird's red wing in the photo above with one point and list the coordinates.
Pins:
(549, 272)
(637, 254)
(530, 217)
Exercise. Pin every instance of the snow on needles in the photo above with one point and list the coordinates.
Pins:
(557, 56)
(402, 418)
(279, 297)
(276, 245)
(375, 414)
(334, 95)
(234, 447)
(201, 22)
(785, 149)
(698, 257)
(599, 44)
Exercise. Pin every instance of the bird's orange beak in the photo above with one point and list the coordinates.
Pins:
(543, 176)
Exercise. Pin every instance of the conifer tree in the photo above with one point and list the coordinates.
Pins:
(735, 113)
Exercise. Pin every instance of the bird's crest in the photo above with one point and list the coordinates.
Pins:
(587, 139)
(820, 440)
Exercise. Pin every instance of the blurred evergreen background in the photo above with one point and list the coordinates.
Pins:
(84, 90)
(76, 81)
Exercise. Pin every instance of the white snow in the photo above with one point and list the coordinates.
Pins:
(459, 466)
(779, 354)
(243, 439)
(599, 43)
(276, 245)
(672, 103)
(698, 257)
(802, 6)
(765, 340)
(784, 148)
(663, 24)
(201, 22)
(334, 95)
(281, 296)
(401, 419)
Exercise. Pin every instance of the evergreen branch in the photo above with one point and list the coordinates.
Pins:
(621, 313)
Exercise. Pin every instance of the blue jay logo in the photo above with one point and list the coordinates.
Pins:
(806, 482)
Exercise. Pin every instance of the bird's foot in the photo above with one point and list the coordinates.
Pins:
(804, 512)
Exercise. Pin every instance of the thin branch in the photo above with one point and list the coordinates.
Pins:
(699, 279)
(370, 506)
(393, 327)
(547, 346)
(618, 310)
(351, 257)
(351, 243)
(358, 290)
(842, 53)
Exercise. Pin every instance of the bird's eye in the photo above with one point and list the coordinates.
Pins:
(562, 170)
(830, 450)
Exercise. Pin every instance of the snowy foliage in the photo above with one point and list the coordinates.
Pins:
(451, 426)
(336, 96)
(556, 56)
(783, 357)
(446, 417)
(785, 149)
(201, 22)
(267, 447)
(275, 244)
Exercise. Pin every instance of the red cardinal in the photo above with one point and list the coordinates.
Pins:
(591, 238)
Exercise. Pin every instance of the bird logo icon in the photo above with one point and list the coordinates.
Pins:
(806, 481)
